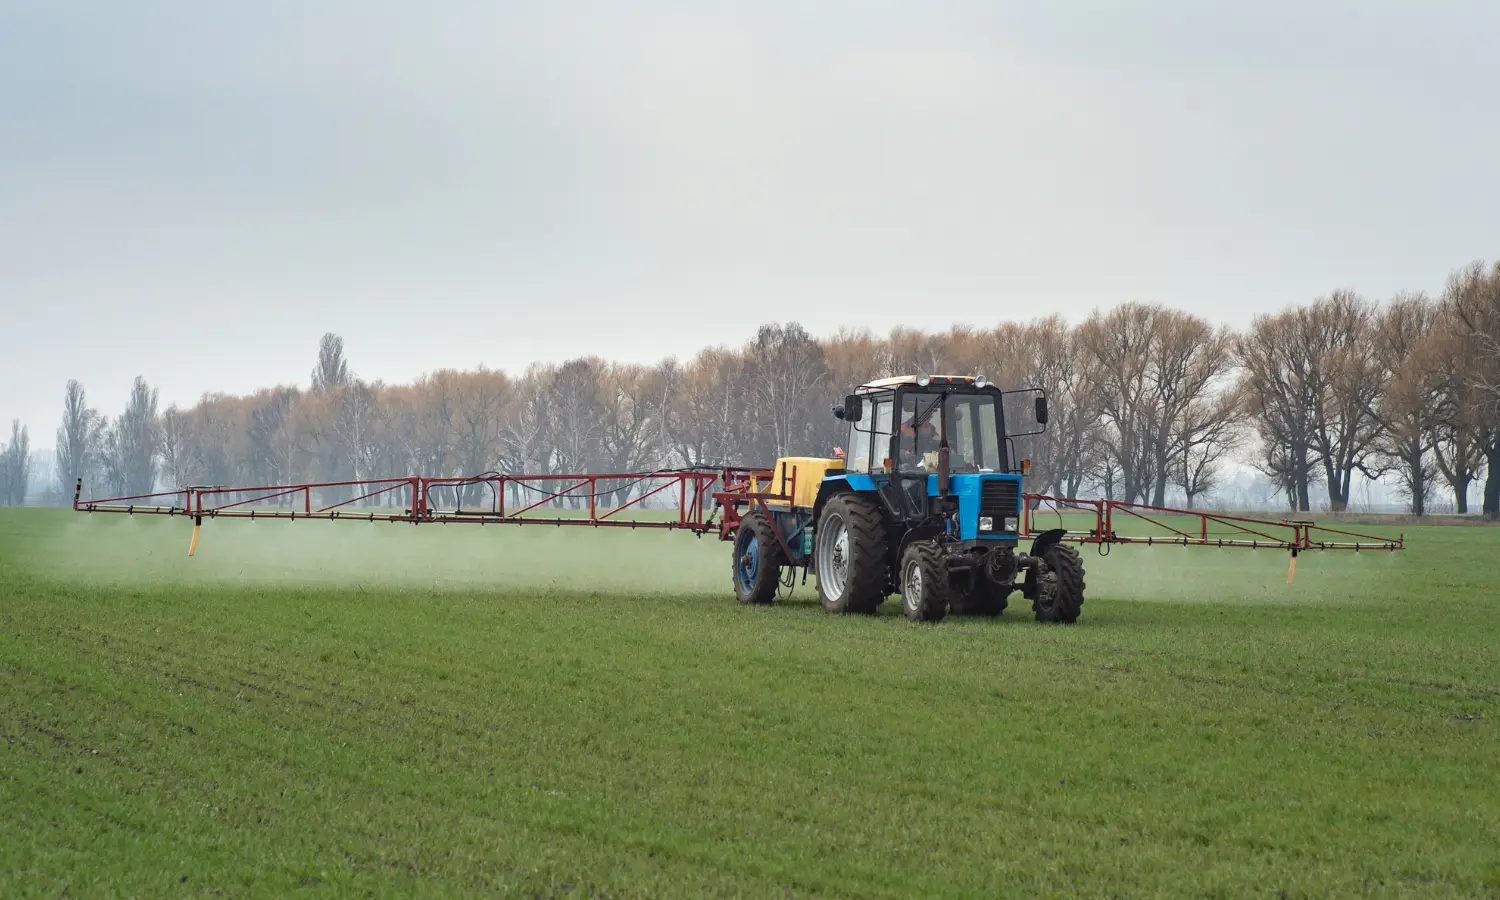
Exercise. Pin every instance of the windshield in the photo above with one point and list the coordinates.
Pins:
(973, 444)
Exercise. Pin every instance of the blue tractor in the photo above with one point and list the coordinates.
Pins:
(926, 503)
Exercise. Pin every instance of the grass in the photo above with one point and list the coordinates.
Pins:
(336, 708)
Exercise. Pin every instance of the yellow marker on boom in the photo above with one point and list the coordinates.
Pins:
(193, 545)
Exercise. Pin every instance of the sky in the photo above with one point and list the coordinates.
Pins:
(196, 191)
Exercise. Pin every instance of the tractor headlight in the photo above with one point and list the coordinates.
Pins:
(986, 523)
(1012, 524)
(923, 379)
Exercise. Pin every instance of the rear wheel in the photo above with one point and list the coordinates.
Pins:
(1059, 585)
(924, 583)
(757, 560)
(850, 556)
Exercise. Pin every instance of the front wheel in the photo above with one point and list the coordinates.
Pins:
(924, 583)
(1059, 585)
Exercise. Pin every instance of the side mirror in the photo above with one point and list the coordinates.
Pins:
(1041, 410)
(854, 408)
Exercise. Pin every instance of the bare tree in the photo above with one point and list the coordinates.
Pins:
(631, 398)
(1047, 354)
(132, 441)
(332, 370)
(1472, 296)
(1277, 387)
(1208, 433)
(480, 401)
(79, 440)
(1347, 381)
(278, 441)
(1073, 435)
(436, 412)
(706, 420)
(631, 403)
(218, 429)
(1311, 380)
(1190, 368)
(575, 413)
(1406, 405)
(1152, 372)
(15, 466)
(180, 465)
(787, 374)
(1457, 417)
(913, 351)
(528, 424)
(356, 414)
(1118, 347)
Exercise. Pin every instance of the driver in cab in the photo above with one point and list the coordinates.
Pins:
(919, 445)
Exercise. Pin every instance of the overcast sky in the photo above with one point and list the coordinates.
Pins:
(195, 191)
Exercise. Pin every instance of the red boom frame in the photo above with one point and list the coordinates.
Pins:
(740, 488)
(1296, 534)
(416, 495)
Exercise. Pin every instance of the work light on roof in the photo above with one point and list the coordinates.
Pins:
(980, 381)
(923, 379)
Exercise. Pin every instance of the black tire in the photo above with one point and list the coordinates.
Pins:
(985, 598)
(757, 561)
(1059, 587)
(849, 558)
(925, 589)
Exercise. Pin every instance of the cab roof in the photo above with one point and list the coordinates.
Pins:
(896, 381)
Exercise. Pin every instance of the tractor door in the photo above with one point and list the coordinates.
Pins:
(857, 458)
(875, 449)
(914, 450)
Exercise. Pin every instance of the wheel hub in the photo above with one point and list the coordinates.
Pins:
(913, 587)
(749, 562)
(1046, 589)
(833, 557)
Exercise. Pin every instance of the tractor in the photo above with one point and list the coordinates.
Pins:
(926, 502)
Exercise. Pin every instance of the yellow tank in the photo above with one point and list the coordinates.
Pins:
(800, 476)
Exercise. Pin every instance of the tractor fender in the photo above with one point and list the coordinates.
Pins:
(830, 488)
(1046, 539)
(915, 535)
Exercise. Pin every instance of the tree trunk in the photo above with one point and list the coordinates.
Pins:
(1338, 488)
(1461, 494)
(1163, 463)
(1492, 483)
(1418, 486)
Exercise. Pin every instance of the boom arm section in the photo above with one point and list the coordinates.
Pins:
(1094, 522)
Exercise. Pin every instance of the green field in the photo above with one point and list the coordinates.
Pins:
(337, 708)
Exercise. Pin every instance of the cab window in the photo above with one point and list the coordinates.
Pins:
(857, 457)
(880, 441)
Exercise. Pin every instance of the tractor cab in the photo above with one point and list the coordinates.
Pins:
(937, 452)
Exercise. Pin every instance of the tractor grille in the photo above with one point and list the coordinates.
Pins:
(999, 498)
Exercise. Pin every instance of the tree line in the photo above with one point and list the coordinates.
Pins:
(1149, 403)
